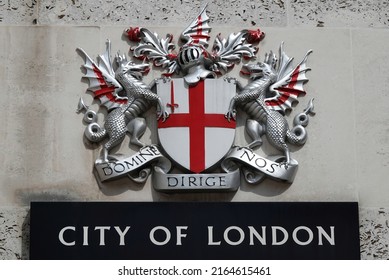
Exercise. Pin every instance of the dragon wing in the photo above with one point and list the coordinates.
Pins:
(198, 30)
(102, 80)
(290, 82)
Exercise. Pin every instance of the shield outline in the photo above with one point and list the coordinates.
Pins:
(196, 136)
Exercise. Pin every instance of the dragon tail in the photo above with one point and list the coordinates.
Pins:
(298, 134)
(94, 132)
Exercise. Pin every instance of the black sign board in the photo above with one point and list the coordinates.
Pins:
(198, 230)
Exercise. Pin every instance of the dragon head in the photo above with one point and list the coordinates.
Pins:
(126, 66)
(261, 69)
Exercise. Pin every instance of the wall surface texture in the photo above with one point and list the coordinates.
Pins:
(43, 156)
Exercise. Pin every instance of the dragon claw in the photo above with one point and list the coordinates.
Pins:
(101, 161)
(245, 148)
(231, 80)
(284, 164)
(166, 79)
(230, 115)
(163, 115)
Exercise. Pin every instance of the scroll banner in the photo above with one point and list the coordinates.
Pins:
(268, 166)
(148, 156)
(122, 167)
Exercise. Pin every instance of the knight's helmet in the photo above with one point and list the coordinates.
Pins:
(192, 57)
(189, 56)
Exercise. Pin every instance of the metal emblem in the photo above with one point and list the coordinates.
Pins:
(197, 110)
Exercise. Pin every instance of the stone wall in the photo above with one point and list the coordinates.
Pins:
(43, 155)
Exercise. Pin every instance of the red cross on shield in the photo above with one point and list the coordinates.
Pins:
(196, 135)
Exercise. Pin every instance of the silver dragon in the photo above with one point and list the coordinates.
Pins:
(124, 95)
(275, 86)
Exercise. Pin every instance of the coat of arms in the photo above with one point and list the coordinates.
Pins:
(197, 106)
